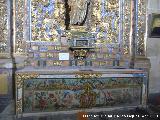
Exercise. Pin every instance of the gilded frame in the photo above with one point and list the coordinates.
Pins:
(20, 77)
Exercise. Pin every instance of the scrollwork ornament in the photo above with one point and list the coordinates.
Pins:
(88, 97)
(20, 17)
(19, 106)
(47, 20)
(3, 26)
(84, 75)
(24, 76)
(20, 77)
(127, 26)
(141, 28)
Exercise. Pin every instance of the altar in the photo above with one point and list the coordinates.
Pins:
(72, 58)
(41, 91)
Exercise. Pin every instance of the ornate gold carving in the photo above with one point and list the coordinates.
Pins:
(88, 97)
(19, 106)
(112, 4)
(126, 26)
(47, 23)
(86, 74)
(20, 77)
(57, 63)
(24, 76)
(20, 20)
(80, 53)
(3, 26)
(141, 28)
(110, 22)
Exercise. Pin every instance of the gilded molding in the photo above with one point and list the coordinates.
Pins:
(141, 27)
(20, 77)
(3, 26)
(88, 94)
(88, 74)
(24, 76)
(126, 28)
(19, 26)
(19, 106)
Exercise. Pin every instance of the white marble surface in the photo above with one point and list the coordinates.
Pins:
(70, 70)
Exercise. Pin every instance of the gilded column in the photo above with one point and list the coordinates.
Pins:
(19, 42)
(140, 27)
(141, 35)
(4, 29)
(132, 33)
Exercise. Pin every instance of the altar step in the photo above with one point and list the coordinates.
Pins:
(103, 115)
(116, 114)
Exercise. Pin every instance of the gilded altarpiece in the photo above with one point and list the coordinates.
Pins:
(109, 22)
(60, 36)
(49, 92)
(47, 23)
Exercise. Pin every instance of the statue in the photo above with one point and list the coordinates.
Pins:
(78, 11)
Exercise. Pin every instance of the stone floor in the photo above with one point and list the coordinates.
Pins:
(120, 114)
(4, 101)
(151, 113)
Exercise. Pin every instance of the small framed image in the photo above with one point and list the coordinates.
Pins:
(155, 25)
(63, 56)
